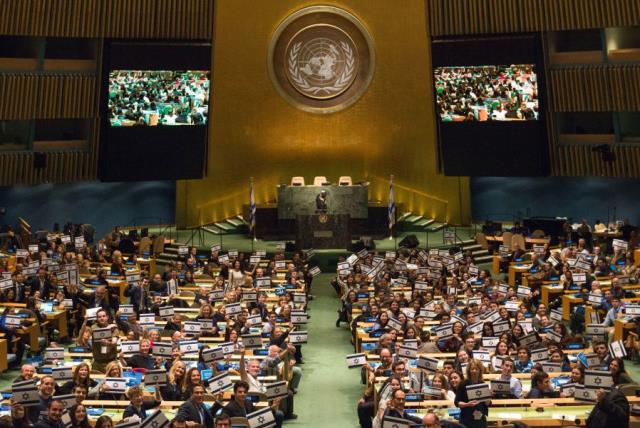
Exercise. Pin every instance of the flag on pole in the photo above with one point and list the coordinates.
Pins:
(252, 208)
(392, 205)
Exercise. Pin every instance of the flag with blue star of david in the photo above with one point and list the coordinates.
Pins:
(262, 418)
(391, 422)
(25, 393)
(155, 378)
(356, 360)
(479, 392)
(156, 420)
(220, 382)
(277, 389)
(598, 379)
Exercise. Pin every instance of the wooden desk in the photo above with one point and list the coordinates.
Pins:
(4, 350)
(549, 292)
(58, 320)
(619, 327)
(515, 269)
(567, 301)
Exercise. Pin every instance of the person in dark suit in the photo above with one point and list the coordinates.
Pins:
(321, 200)
(194, 412)
(138, 405)
(101, 299)
(41, 283)
(611, 410)
(138, 293)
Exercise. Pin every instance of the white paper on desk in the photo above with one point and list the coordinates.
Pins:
(90, 314)
(25, 393)
(62, 374)
(116, 384)
(479, 392)
(212, 354)
(157, 419)
(356, 360)
(220, 382)
(54, 353)
(156, 377)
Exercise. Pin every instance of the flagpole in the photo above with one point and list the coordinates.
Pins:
(252, 212)
(392, 207)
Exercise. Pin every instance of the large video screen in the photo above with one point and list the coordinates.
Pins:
(158, 97)
(155, 110)
(489, 104)
(487, 93)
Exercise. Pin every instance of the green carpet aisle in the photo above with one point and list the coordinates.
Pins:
(329, 391)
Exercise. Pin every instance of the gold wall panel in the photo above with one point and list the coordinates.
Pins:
(451, 17)
(175, 19)
(580, 160)
(255, 132)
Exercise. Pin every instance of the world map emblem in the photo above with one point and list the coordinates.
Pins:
(322, 67)
(321, 59)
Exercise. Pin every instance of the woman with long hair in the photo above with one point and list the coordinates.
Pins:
(439, 381)
(104, 421)
(81, 376)
(620, 376)
(79, 418)
(473, 414)
(172, 390)
(19, 416)
(101, 390)
(191, 379)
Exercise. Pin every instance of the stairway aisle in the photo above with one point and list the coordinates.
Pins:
(329, 391)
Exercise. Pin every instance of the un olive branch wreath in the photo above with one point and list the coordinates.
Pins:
(339, 84)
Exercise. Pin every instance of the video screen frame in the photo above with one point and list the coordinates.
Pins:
(158, 97)
(487, 93)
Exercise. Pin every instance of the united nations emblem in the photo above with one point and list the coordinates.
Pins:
(321, 59)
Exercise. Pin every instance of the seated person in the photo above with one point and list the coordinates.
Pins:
(138, 404)
(194, 412)
(53, 416)
(541, 386)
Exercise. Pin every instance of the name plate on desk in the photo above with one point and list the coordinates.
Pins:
(323, 234)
